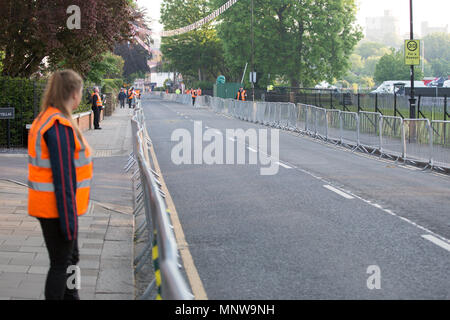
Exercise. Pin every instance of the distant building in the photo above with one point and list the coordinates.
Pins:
(385, 29)
(426, 29)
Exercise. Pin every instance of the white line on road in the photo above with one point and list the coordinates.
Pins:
(284, 165)
(410, 167)
(437, 241)
(252, 150)
(339, 192)
(388, 211)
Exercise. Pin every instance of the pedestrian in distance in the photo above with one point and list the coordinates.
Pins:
(130, 97)
(199, 92)
(97, 106)
(59, 176)
(242, 94)
(194, 96)
(122, 97)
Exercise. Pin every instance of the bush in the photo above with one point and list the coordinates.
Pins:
(111, 85)
(204, 85)
(25, 96)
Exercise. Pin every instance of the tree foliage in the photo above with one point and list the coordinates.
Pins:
(371, 49)
(32, 30)
(197, 54)
(437, 53)
(392, 67)
(135, 60)
(302, 41)
(110, 67)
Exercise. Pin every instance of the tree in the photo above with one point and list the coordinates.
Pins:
(135, 60)
(392, 67)
(110, 67)
(371, 49)
(370, 65)
(367, 82)
(32, 30)
(2, 56)
(197, 54)
(437, 53)
(305, 41)
(356, 63)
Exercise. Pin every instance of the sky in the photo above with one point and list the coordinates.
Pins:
(434, 11)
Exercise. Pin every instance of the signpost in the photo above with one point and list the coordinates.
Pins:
(7, 114)
(412, 52)
(413, 49)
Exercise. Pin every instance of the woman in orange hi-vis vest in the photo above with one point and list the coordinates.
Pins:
(59, 179)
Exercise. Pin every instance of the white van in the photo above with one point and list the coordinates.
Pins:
(388, 86)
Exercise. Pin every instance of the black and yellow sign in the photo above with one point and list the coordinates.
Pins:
(412, 52)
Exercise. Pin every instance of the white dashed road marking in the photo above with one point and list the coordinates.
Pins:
(339, 192)
(438, 242)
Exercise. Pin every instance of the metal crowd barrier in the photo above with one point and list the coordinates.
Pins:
(411, 140)
(161, 247)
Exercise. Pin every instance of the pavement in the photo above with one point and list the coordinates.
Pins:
(315, 230)
(106, 231)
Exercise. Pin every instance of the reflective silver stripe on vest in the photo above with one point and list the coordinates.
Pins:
(49, 187)
(45, 163)
(84, 184)
(38, 186)
(37, 162)
(83, 160)
(39, 135)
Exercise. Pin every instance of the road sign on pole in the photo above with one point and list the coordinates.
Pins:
(412, 52)
(7, 113)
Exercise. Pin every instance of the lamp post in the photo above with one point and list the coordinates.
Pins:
(412, 100)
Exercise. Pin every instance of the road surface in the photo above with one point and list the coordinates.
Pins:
(311, 231)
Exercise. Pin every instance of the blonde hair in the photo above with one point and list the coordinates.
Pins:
(60, 86)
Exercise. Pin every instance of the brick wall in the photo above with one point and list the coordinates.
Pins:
(85, 121)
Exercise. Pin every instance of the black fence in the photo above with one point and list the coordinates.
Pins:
(433, 108)
(24, 96)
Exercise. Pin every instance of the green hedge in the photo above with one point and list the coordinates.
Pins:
(112, 85)
(204, 85)
(25, 96)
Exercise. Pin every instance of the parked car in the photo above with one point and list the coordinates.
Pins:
(438, 82)
(387, 87)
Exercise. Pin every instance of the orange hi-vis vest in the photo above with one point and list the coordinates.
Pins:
(99, 99)
(199, 92)
(194, 93)
(41, 192)
(241, 96)
(130, 94)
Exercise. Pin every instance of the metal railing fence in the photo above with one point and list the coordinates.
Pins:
(161, 246)
(412, 140)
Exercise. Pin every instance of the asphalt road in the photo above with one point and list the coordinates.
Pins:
(312, 230)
